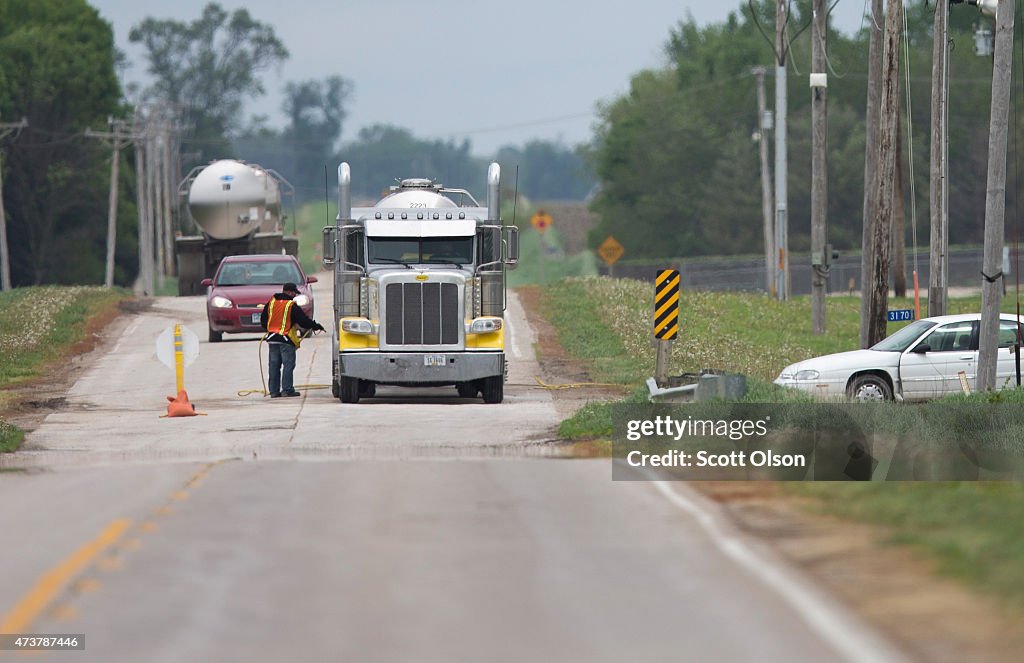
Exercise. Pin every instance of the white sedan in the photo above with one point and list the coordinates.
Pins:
(923, 360)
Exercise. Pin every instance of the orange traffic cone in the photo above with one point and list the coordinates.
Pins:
(180, 407)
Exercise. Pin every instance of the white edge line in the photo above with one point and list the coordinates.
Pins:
(127, 332)
(837, 626)
(516, 351)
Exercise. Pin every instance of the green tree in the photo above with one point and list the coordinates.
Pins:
(57, 70)
(209, 68)
(547, 170)
(383, 154)
(677, 174)
(308, 144)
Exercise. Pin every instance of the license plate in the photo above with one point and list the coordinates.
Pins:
(434, 360)
(255, 318)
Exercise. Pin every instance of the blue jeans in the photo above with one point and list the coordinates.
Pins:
(282, 366)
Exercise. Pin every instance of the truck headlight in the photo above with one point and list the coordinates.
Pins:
(301, 300)
(356, 326)
(807, 375)
(485, 325)
(221, 302)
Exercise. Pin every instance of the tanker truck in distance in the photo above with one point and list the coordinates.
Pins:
(419, 289)
(236, 207)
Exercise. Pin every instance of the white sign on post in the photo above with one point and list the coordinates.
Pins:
(165, 346)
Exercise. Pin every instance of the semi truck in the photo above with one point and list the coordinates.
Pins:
(419, 289)
(236, 208)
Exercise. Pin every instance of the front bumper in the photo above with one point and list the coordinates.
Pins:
(411, 368)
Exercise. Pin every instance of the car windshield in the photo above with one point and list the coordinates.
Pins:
(421, 250)
(259, 273)
(902, 339)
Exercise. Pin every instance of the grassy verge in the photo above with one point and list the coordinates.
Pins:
(607, 323)
(973, 530)
(58, 319)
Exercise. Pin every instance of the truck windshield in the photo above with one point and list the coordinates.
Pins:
(447, 250)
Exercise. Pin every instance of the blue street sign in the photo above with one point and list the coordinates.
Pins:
(901, 315)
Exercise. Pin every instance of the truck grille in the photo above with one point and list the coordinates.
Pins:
(421, 314)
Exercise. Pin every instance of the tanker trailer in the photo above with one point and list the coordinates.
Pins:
(236, 208)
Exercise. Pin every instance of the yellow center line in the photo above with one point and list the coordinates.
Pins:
(53, 581)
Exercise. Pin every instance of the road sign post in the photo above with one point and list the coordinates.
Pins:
(178, 346)
(666, 320)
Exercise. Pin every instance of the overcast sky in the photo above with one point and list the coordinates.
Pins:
(496, 73)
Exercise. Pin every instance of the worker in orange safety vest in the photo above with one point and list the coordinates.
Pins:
(284, 321)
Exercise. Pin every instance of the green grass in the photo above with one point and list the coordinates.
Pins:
(46, 322)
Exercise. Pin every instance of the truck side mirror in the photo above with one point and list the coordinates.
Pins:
(330, 248)
(511, 244)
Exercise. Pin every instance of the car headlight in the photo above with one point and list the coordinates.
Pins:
(301, 300)
(485, 325)
(357, 326)
(807, 375)
(221, 302)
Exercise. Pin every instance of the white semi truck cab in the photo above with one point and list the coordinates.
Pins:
(419, 289)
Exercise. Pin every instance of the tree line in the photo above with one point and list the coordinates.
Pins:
(678, 169)
(58, 70)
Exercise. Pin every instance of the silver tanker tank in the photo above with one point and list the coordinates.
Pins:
(236, 208)
(230, 200)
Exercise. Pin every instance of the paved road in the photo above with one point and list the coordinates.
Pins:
(432, 529)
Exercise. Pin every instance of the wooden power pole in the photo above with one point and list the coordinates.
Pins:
(819, 166)
(766, 185)
(938, 244)
(870, 163)
(995, 198)
(119, 135)
(885, 190)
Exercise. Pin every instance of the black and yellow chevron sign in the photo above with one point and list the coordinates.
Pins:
(666, 305)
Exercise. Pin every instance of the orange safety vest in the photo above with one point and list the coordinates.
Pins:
(279, 318)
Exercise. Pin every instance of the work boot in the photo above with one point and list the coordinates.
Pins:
(292, 393)
(277, 395)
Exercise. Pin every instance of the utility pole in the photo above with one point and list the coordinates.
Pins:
(870, 163)
(995, 198)
(766, 187)
(937, 175)
(119, 132)
(145, 220)
(899, 222)
(169, 188)
(819, 165)
(781, 153)
(5, 260)
(885, 191)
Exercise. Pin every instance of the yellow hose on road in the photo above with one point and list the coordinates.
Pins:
(263, 379)
(573, 385)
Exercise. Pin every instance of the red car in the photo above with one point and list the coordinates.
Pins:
(243, 285)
